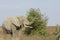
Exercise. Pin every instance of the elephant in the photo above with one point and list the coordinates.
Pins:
(11, 24)
(58, 36)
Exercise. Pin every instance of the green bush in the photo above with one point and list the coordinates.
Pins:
(39, 25)
(57, 30)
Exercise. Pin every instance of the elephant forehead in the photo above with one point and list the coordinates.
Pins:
(15, 21)
(22, 19)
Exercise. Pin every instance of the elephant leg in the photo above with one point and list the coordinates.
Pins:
(15, 35)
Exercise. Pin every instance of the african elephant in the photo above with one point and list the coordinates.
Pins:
(11, 24)
(58, 36)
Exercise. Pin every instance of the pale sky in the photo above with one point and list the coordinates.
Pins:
(10, 8)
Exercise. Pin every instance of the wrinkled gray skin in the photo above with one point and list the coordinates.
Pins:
(10, 25)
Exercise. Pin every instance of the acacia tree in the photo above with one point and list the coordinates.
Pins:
(39, 25)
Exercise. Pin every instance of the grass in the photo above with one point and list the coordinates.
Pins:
(50, 30)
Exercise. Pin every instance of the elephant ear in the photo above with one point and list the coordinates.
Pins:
(6, 31)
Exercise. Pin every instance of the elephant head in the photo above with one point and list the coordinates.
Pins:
(24, 22)
(16, 23)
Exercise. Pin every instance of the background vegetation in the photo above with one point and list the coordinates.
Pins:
(39, 22)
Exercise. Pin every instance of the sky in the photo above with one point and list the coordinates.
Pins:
(10, 8)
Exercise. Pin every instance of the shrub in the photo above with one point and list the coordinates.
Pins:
(39, 25)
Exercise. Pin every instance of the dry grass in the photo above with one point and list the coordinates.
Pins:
(50, 30)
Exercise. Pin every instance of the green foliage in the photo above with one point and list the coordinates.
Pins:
(57, 30)
(39, 25)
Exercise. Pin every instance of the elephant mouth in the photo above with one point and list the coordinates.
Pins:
(17, 27)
